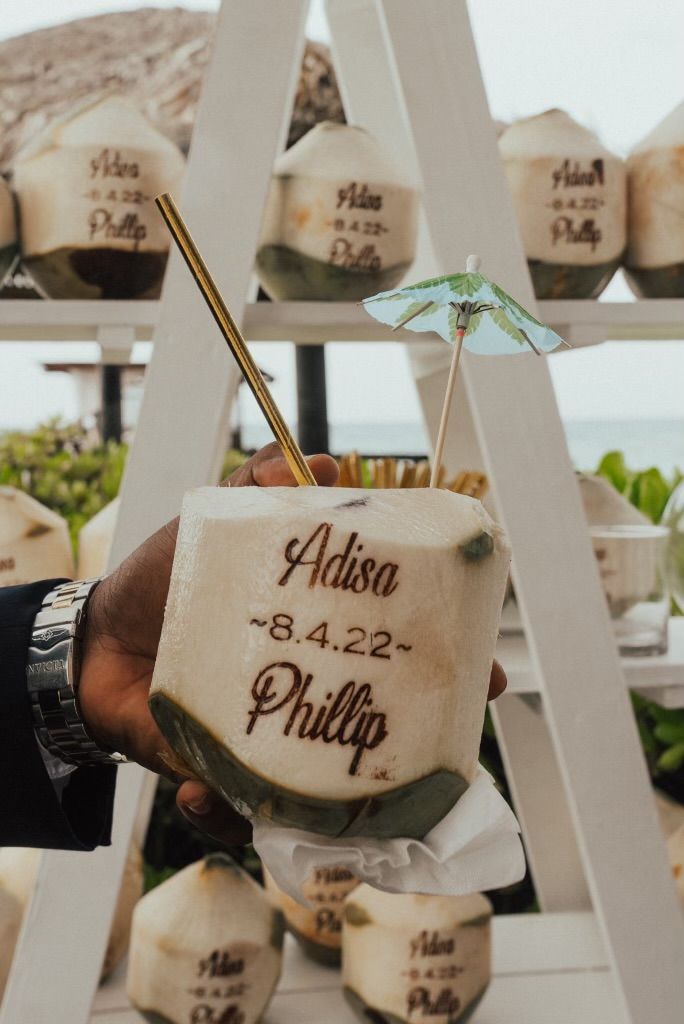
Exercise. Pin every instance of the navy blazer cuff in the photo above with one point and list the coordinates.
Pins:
(31, 813)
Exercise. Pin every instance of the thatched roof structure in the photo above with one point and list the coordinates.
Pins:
(155, 56)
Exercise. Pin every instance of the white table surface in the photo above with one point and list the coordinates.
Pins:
(548, 969)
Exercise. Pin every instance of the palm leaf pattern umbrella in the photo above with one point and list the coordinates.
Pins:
(467, 310)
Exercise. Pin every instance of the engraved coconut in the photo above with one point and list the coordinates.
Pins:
(655, 169)
(317, 923)
(206, 946)
(34, 541)
(9, 246)
(86, 188)
(18, 872)
(408, 958)
(340, 220)
(95, 541)
(325, 656)
(569, 194)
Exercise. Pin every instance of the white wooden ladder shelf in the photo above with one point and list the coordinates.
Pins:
(409, 73)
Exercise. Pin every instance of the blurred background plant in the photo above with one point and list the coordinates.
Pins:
(65, 467)
(68, 469)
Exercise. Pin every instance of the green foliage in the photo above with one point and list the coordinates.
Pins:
(661, 729)
(65, 468)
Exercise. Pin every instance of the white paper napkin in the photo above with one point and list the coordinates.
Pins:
(475, 847)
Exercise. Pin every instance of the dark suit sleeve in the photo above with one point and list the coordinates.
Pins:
(30, 811)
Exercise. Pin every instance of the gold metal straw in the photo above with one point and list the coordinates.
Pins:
(236, 343)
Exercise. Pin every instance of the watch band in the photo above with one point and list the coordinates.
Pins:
(52, 674)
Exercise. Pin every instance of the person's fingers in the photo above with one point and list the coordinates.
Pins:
(209, 813)
(268, 468)
(497, 681)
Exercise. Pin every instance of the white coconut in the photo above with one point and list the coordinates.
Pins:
(86, 188)
(655, 258)
(316, 923)
(670, 813)
(206, 946)
(130, 892)
(18, 872)
(604, 506)
(569, 194)
(34, 540)
(326, 652)
(675, 851)
(340, 220)
(8, 230)
(406, 957)
(95, 541)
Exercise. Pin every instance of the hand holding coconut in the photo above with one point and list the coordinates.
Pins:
(124, 624)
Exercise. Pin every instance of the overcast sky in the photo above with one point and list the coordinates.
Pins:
(615, 65)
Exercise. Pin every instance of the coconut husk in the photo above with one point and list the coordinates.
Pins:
(157, 57)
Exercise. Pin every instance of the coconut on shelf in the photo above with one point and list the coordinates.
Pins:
(18, 872)
(34, 541)
(407, 958)
(317, 923)
(95, 541)
(569, 194)
(325, 655)
(8, 231)
(340, 220)
(86, 188)
(655, 169)
(206, 946)
(675, 852)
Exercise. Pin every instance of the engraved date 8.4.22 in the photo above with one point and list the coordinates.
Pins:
(376, 643)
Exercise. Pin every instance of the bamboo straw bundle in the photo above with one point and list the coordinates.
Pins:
(391, 472)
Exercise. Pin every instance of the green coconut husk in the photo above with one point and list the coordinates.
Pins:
(563, 281)
(370, 1015)
(657, 282)
(98, 273)
(290, 275)
(327, 956)
(8, 254)
(409, 811)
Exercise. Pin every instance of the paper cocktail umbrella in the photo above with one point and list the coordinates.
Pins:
(467, 310)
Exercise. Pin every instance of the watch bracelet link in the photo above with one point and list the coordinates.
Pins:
(52, 674)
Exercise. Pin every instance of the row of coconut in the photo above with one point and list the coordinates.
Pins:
(35, 543)
(341, 220)
(207, 945)
(583, 212)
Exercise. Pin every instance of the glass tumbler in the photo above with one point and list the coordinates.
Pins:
(632, 564)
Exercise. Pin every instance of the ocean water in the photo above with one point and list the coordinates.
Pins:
(644, 442)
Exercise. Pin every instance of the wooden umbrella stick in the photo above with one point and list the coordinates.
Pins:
(451, 383)
(236, 343)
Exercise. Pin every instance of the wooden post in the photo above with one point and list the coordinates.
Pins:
(445, 114)
(190, 382)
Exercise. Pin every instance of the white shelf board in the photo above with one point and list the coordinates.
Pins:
(582, 322)
(660, 678)
(588, 321)
(546, 967)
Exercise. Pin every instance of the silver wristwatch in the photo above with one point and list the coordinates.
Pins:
(52, 673)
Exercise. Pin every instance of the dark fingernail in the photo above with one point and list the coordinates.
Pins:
(201, 806)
